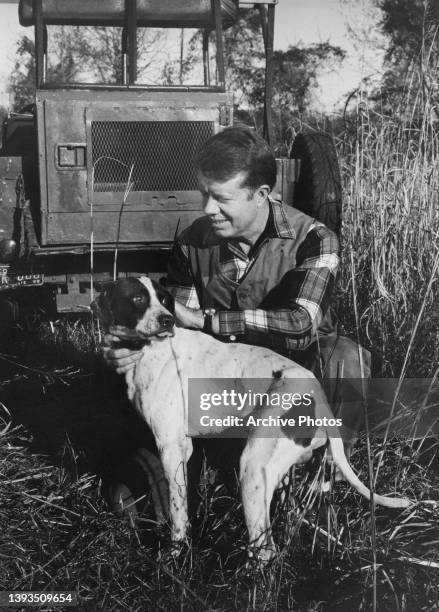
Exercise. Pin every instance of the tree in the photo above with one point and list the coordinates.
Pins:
(295, 72)
(22, 79)
(410, 25)
(94, 55)
(412, 56)
(295, 75)
(75, 54)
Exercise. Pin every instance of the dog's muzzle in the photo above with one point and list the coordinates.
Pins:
(166, 322)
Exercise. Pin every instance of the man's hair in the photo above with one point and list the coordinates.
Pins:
(234, 150)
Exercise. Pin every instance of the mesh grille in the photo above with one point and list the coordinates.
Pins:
(162, 153)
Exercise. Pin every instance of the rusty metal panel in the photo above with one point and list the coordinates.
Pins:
(85, 161)
(136, 226)
(18, 134)
(11, 169)
(147, 201)
(61, 188)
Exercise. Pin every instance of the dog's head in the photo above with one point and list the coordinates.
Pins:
(137, 310)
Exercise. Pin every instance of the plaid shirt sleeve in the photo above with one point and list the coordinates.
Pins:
(296, 308)
(180, 279)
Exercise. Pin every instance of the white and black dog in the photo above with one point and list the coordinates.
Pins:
(139, 311)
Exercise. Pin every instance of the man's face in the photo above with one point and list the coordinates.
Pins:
(233, 210)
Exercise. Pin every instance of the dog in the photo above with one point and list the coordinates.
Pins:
(139, 312)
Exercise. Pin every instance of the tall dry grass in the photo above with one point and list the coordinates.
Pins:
(390, 166)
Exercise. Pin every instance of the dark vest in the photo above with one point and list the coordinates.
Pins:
(275, 256)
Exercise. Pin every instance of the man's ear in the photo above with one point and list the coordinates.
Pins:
(262, 193)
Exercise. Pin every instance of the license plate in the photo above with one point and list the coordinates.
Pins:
(11, 281)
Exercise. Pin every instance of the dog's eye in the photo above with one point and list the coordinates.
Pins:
(139, 300)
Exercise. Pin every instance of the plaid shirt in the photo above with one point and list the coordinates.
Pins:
(306, 288)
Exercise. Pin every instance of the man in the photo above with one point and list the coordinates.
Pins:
(253, 270)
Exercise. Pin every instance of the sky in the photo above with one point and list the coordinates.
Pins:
(315, 21)
(297, 21)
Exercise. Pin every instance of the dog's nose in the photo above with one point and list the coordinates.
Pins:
(166, 321)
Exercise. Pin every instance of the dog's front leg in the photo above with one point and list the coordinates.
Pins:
(257, 487)
(174, 462)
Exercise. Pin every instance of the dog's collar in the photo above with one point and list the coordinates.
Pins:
(135, 340)
(131, 344)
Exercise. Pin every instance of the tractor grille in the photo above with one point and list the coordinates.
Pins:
(162, 153)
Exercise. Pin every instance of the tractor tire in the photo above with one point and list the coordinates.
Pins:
(139, 479)
(318, 190)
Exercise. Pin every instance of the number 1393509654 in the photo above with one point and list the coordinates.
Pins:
(37, 598)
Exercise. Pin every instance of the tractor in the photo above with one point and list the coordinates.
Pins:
(97, 178)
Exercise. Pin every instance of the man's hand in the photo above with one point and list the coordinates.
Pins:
(120, 359)
(188, 317)
(194, 319)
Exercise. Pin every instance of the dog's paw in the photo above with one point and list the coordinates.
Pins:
(326, 486)
(174, 552)
(177, 549)
(261, 556)
(317, 487)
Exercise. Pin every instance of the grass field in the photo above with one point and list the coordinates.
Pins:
(66, 425)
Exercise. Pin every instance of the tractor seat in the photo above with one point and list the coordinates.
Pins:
(151, 13)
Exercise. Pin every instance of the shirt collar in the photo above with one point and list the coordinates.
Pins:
(277, 226)
(280, 226)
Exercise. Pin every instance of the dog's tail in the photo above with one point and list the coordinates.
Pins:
(341, 462)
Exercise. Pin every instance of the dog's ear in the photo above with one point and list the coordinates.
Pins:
(101, 306)
(165, 298)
